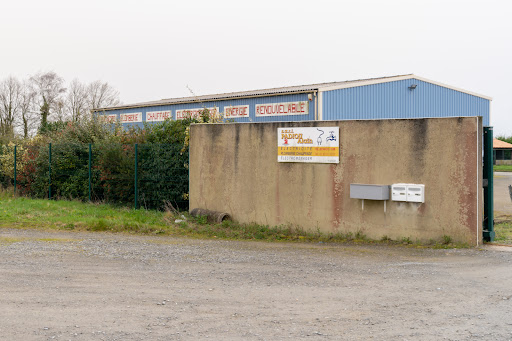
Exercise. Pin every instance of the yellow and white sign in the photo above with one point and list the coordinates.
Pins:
(311, 144)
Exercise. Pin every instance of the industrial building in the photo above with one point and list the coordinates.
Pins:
(502, 152)
(384, 101)
(404, 96)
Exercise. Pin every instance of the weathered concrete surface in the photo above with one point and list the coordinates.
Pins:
(234, 169)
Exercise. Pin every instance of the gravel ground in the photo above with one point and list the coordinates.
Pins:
(97, 286)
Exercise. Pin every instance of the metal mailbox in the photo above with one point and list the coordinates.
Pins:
(408, 192)
(399, 192)
(415, 193)
(369, 192)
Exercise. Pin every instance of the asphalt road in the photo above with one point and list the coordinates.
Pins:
(502, 201)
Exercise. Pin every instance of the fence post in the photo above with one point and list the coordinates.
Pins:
(15, 170)
(488, 230)
(50, 171)
(90, 165)
(136, 162)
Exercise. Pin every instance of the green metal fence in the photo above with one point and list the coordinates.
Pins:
(142, 175)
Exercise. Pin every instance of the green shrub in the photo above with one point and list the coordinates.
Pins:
(162, 166)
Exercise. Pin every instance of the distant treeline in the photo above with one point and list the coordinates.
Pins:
(504, 138)
(28, 105)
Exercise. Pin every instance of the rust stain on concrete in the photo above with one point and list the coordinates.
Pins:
(337, 197)
(278, 197)
(469, 181)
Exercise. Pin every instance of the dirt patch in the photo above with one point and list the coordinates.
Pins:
(97, 286)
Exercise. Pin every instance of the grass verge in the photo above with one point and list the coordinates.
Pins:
(74, 215)
(503, 230)
(71, 215)
(502, 168)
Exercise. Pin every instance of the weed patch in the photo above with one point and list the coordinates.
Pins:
(79, 216)
(503, 231)
(8, 240)
(57, 240)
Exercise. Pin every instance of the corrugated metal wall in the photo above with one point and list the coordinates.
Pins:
(252, 102)
(395, 100)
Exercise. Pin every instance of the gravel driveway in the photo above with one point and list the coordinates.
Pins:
(96, 286)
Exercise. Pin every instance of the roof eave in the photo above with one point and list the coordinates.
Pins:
(186, 101)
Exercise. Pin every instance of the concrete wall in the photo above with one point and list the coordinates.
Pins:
(234, 169)
(502, 162)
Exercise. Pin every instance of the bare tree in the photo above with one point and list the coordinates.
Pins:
(29, 116)
(49, 88)
(77, 100)
(81, 99)
(59, 110)
(43, 98)
(10, 92)
(102, 95)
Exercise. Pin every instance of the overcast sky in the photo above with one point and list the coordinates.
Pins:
(152, 50)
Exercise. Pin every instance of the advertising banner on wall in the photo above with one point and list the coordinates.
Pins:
(195, 112)
(236, 111)
(156, 116)
(133, 117)
(311, 144)
(282, 109)
(108, 118)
